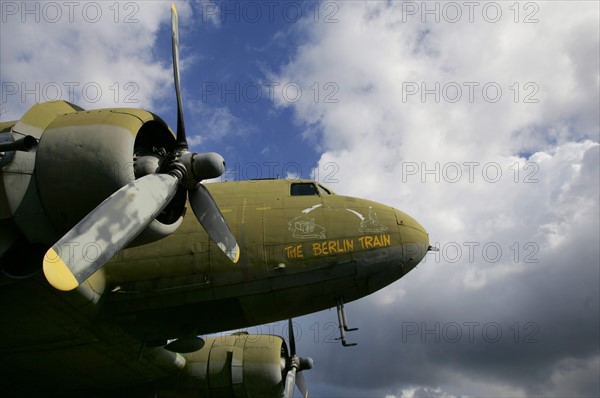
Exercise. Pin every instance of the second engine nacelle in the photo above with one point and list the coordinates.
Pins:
(239, 365)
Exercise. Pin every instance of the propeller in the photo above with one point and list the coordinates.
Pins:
(294, 367)
(114, 223)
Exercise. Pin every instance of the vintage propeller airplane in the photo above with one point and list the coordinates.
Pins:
(97, 201)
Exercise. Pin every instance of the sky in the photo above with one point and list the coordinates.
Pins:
(479, 119)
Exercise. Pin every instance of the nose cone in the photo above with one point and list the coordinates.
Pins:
(414, 238)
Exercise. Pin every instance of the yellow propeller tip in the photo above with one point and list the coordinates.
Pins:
(57, 272)
(173, 8)
(237, 255)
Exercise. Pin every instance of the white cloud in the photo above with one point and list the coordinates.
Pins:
(95, 55)
(213, 123)
(573, 377)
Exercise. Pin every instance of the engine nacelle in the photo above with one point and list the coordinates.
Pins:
(91, 152)
(82, 158)
(239, 365)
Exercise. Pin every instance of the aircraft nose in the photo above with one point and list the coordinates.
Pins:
(414, 238)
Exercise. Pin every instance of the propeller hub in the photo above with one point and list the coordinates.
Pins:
(301, 363)
(199, 167)
(208, 165)
(306, 363)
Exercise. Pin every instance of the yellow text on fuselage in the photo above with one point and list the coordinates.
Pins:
(337, 246)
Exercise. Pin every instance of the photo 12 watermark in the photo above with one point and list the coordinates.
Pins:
(469, 92)
(470, 172)
(69, 11)
(323, 172)
(90, 92)
(453, 12)
(253, 12)
(252, 92)
(489, 252)
(470, 332)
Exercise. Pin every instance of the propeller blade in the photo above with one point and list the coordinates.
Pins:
(212, 220)
(290, 380)
(301, 384)
(291, 338)
(107, 229)
(296, 365)
(181, 140)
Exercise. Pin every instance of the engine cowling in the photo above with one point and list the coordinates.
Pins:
(82, 158)
(239, 365)
(92, 152)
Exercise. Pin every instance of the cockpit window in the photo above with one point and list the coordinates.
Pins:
(323, 190)
(303, 189)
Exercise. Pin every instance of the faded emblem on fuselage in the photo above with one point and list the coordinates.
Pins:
(369, 224)
(304, 226)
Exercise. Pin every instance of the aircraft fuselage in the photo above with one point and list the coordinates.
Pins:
(299, 253)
